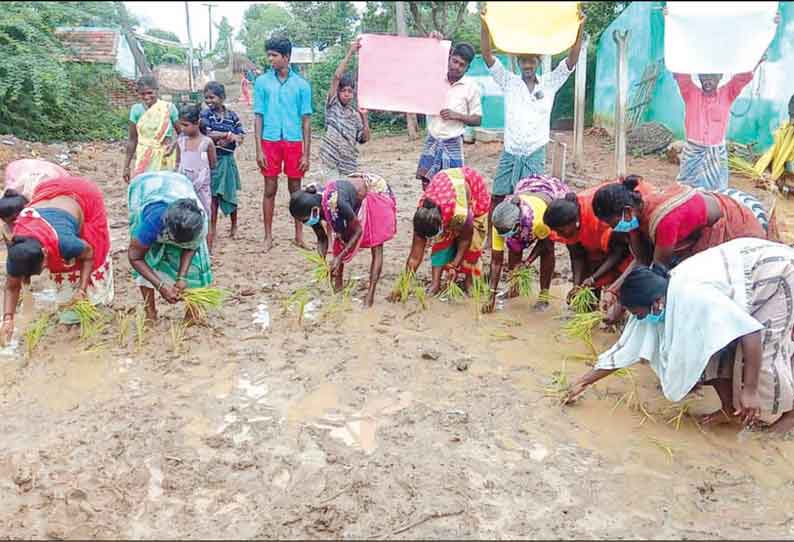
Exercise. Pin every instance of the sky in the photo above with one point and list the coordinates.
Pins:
(171, 16)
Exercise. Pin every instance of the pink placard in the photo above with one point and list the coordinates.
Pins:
(402, 74)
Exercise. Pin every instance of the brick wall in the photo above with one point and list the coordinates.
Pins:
(123, 93)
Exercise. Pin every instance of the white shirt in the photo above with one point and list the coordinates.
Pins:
(528, 118)
(463, 97)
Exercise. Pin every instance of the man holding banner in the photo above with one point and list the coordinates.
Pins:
(529, 99)
(444, 144)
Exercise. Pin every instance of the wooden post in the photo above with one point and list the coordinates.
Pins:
(402, 30)
(190, 49)
(621, 40)
(579, 104)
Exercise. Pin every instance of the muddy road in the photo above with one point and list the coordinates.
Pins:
(389, 422)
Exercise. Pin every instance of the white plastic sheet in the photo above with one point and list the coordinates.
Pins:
(717, 37)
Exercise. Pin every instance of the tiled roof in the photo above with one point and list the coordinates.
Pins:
(90, 44)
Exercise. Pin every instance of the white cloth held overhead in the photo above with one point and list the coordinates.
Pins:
(699, 38)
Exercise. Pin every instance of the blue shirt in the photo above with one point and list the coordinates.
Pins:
(282, 105)
(228, 121)
(68, 229)
(152, 224)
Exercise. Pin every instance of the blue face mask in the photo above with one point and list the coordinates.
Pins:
(509, 234)
(314, 218)
(655, 318)
(625, 226)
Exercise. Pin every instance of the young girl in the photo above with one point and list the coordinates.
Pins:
(226, 130)
(196, 156)
(345, 126)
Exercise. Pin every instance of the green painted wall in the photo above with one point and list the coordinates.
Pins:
(493, 104)
(761, 107)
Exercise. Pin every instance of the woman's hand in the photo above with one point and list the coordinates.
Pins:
(169, 149)
(79, 295)
(573, 393)
(335, 263)
(749, 406)
(608, 300)
(589, 282)
(126, 174)
(7, 331)
(394, 296)
(180, 286)
(170, 294)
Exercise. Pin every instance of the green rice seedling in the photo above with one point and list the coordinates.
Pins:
(198, 301)
(123, 325)
(177, 333)
(140, 326)
(91, 323)
(404, 285)
(545, 297)
(665, 447)
(299, 299)
(321, 271)
(585, 300)
(522, 279)
(337, 303)
(502, 336)
(560, 384)
(679, 411)
(480, 294)
(35, 332)
(632, 398)
(581, 327)
(421, 295)
(453, 292)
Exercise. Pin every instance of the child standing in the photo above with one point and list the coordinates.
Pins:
(226, 130)
(196, 157)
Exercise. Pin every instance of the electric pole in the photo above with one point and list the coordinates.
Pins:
(402, 30)
(189, 49)
(209, 9)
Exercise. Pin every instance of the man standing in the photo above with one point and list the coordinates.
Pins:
(528, 103)
(444, 144)
(704, 158)
(282, 108)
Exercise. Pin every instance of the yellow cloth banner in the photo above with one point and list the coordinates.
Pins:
(544, 28)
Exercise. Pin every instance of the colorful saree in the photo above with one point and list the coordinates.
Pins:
(152, 129)
(377, 214)
(464, 199)
(165, 254)
(94, 231)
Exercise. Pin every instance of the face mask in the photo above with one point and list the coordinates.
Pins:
(625, 226)
(509, 234)
(655, 318)
(314, 218)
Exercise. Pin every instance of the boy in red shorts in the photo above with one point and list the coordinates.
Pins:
(282, 108)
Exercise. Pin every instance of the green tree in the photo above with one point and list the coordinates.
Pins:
(260, 22)
(41, 96)
(321, 24)
(158, 54)
(220, 52)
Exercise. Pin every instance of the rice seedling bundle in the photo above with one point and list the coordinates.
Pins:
(177, 332)
(742, 167)
(453, 292)
(198, 301)
(404, 285)
(123, 323)
(522, 280)
(90, 318)
(140, 326)
(321, 271)
(585, 300)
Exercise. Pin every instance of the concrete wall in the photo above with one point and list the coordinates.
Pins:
(125, 62)
(757, 111)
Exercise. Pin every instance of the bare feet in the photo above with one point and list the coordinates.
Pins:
(268, 244)
(541, 306)
(151, 316)
(233, 232)
(300, 244)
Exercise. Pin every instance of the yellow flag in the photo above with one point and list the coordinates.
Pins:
(544, 28)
